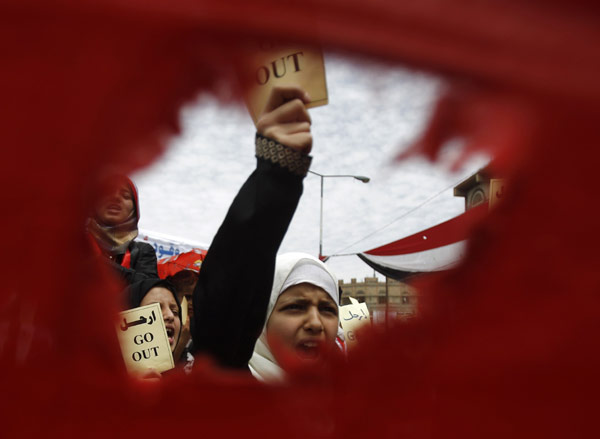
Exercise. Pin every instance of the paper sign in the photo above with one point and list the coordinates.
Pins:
(270, 66)
(352, 317)
(184, 311)
(143, 339)
(496, 191)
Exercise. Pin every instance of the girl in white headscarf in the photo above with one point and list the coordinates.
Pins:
(302, 313)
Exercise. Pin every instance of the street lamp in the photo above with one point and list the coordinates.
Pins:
(323, 176)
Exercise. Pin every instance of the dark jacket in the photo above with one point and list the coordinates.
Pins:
(234, 285)
(143, 263)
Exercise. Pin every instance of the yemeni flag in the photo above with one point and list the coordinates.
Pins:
(438, 248)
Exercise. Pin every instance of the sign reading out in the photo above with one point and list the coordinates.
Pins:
(270, 66)
(353, 317)
(143, 339)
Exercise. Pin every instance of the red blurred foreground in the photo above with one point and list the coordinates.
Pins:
(508, 346)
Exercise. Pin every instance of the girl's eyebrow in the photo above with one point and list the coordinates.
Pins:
(298, 300)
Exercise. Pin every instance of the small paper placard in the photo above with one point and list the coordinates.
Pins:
(352, 317)
(143, 339)
(184, 311)
(496, 191)
(272, 65)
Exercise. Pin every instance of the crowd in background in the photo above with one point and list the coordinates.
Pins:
(292, 302)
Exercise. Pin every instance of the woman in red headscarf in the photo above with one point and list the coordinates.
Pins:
(113, 228)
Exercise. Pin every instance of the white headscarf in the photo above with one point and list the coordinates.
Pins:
(290, 269)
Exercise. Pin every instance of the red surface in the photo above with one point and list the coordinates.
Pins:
(507, 345)
(191, 260)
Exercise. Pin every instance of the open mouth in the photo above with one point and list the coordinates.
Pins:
(308, 350)
(170, 334)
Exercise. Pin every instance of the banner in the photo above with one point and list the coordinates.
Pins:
(165, 245)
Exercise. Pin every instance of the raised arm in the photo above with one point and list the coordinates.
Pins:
(232, 293)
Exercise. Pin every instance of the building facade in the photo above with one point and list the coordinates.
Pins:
(400, 298)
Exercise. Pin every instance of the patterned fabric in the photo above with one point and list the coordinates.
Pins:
(273, 151)
(115, 239)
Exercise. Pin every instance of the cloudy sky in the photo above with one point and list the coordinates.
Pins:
(375, 111)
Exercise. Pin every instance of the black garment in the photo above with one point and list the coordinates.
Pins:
(143, 263)
(135, 293)
(234, 285)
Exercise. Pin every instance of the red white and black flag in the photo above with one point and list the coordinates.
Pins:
(438, 248)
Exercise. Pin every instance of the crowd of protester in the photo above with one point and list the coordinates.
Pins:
(237, 309)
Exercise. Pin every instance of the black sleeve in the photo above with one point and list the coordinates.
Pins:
(143, 263)
(234, 286)
(146, 261)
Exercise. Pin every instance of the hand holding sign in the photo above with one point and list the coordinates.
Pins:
(285, 118)
(267, 66)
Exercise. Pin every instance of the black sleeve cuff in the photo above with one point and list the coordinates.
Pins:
(287, 158)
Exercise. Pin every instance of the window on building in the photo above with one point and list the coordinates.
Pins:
(476, 197)
(381, 300)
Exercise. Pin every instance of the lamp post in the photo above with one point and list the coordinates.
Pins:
(323, 176)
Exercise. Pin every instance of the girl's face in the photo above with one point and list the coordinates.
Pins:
(170, 311)
(116, 206)
(305, 319)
